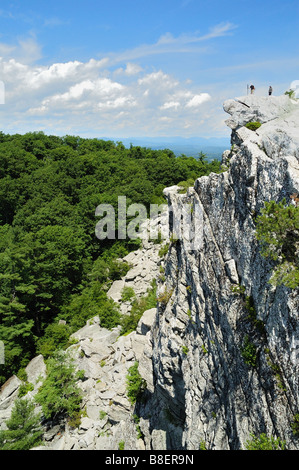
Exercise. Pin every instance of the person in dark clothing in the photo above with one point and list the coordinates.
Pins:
(270, 90)
(252, 89)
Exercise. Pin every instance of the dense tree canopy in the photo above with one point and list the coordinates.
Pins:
(52, 266)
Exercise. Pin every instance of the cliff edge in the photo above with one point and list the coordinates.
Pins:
(206, 393)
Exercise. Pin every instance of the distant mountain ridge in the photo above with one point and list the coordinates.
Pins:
(213, 147)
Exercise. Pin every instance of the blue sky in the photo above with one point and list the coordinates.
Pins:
(123, 68)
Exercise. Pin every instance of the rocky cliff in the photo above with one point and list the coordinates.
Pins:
(205, 392)
(214, 299)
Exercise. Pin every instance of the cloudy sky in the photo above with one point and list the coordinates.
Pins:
(122, 68)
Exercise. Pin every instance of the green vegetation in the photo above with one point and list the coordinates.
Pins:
(165, 296)
(252, 314)
(278, 232)
(295, 425)
(25, 388)
(277, 373)
(263, 442)
(173, 239)
(137, 423)
(238, 289)
(59, 394)
(51, 263)
(249, 353)
(164, 250)
(121, 445)
(56, 336)
(185, 185)
(139, 306)
(136, 385)
(253, 126)
(102, 415)
(290, 94)
(127, 294)
(23, 427)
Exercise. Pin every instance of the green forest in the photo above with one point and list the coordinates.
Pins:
(52, 266)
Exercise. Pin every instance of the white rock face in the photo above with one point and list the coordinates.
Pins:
(263, 109)
(145, 268)
(203, 387)
(9, 392)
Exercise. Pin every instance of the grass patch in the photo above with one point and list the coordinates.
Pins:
(253, 126)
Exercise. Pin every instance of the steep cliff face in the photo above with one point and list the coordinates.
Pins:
(224, 344)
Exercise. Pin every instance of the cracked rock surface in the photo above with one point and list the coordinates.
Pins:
(204, 390)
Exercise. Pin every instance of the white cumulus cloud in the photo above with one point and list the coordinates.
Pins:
(198, 100)
(171, 105)
(92, 95)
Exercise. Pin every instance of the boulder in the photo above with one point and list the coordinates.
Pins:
(115, 290)
(36, 370)
(146, 321)
(9, 392)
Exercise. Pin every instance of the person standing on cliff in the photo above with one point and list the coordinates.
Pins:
(270, 90)
(252, 89)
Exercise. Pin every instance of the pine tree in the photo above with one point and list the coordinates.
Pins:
(59, 396)
(24, 430)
